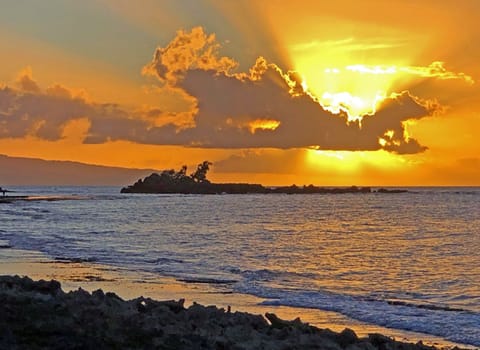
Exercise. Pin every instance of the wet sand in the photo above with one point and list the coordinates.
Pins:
(129, 285)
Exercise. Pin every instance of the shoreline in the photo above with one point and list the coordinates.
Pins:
(40, 314)
(129, 285)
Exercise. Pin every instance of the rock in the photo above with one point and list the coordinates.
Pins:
(382, 342)
(39, 315)
(113, 296)
(175, 306)
(347, 337)
(277, 322)
(384, 190)
(170, 181)
(98, 294)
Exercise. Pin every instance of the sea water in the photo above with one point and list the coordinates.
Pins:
(409, 261)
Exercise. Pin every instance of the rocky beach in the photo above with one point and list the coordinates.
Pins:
(256, 254)
(40, 315)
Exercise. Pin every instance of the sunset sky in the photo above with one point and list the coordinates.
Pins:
(272, 92)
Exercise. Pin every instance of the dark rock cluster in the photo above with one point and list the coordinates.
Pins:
(171, 181)
(39, 315)
(163, 183)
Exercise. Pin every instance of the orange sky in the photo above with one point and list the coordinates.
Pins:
(277, 92)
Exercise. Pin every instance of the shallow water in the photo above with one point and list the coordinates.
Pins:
(408, 261)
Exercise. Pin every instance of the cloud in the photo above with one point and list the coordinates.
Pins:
(188, 50)
(26, 82)
(227, 105)
(262, 108)
(437, 70)
(231, 113)
(230, 102)
(434, 70)
(38, 114)
(350, 44)
(31, 111)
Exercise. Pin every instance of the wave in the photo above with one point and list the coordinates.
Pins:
(444, 190)
(5, 245)
(270, 275)
(426, 306)
(454, 324)
(163, 260)
(244, 276)
(70, 260)
(207, 280)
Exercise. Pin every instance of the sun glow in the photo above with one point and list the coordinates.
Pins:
(357, 89)
(356, 107)
(263, 124)
(360, 68)
(349, 162)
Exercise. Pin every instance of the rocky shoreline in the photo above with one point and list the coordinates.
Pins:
(39, 315)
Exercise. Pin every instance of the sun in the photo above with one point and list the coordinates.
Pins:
(343, 80)
(354, 89)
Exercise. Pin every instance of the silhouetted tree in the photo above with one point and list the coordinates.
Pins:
(200, 175)
(181, 174)
(168, 173)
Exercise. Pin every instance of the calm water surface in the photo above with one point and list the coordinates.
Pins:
(407, 261)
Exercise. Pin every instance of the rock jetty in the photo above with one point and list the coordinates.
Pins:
(39, 315)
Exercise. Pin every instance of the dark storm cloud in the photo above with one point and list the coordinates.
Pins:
(263, 108)
(227, 106)
(229, 103)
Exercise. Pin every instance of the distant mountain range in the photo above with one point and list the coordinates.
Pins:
(31, 171)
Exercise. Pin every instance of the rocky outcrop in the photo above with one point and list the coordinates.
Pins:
(171, 181)
(167, 183)
(39, 315)
(385, 190)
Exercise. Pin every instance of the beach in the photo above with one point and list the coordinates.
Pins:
(90, 277)
(335, 261)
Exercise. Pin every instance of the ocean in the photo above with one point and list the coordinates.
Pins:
(408, 261)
